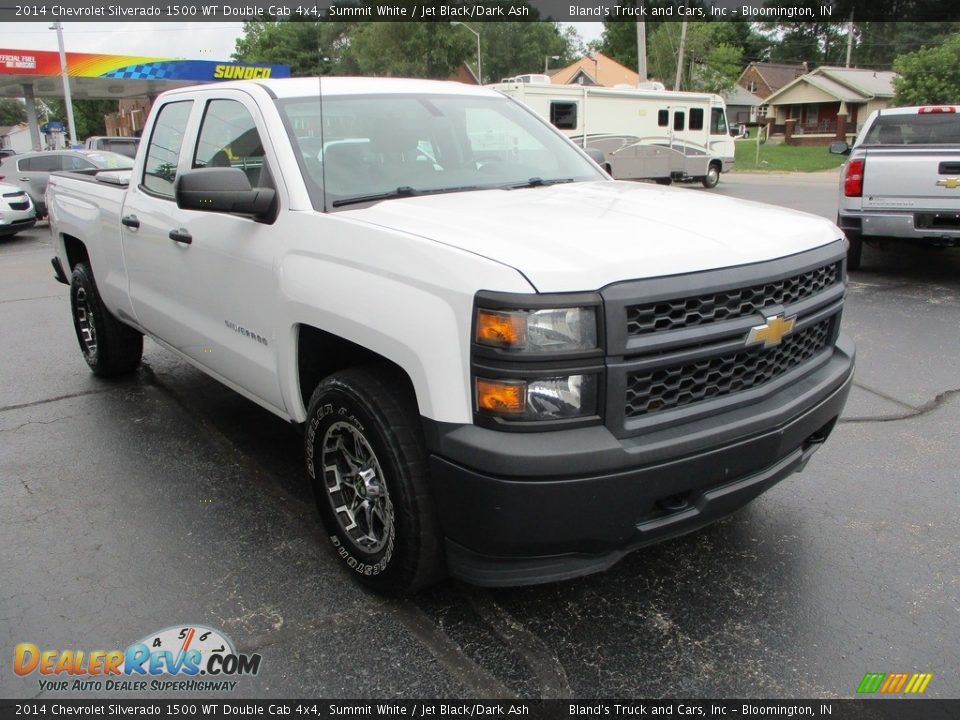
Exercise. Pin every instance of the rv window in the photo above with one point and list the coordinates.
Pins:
(663, 118)
(696, 118)
(718, 122)
(563, 115)
(679, 118)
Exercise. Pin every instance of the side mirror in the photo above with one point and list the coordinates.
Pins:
(220, 189)
(840, 147)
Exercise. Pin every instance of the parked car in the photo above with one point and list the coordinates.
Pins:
(31, 171)
(16, 210)
(123, 145)
(902, 180)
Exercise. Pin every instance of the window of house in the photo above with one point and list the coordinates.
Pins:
(663, 118)
(563, 115)
(163, 153)
(696, 118)
(752, 86)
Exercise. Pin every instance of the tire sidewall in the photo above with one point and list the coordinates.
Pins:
(712, 177)
(338, 404)
(81, 279)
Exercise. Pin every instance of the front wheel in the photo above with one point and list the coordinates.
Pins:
(109, 347)
(367, 463)
(712, 177)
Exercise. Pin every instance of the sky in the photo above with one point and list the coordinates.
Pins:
(195, 41)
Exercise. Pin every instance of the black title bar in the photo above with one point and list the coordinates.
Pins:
(482, 10)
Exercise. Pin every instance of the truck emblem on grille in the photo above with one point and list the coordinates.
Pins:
(773, 331)
(949, 183)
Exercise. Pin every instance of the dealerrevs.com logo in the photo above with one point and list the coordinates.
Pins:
(179, 658)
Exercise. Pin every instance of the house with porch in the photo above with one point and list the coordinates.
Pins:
(828, 103)
(595, 69)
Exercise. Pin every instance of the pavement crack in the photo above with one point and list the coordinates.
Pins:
(481, 683)
(547, 668)
(35, 422)
(28, 299)
(885, 396)
(35, 403)
(925, 409)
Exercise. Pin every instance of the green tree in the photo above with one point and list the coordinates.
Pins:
(12, 111)
(309, 48)
(515, 48)
(88, 114)
(929, 76)
(426, 50)
(877, 44)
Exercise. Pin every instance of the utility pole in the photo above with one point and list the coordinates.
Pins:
(642, 50)
(850, 38)
(683, 42)
(68, 101)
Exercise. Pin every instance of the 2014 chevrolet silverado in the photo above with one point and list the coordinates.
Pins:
(508, 367)
(901, 181)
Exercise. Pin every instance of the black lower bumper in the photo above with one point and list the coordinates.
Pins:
(527, 527)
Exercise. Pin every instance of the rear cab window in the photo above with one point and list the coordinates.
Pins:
(931, 128)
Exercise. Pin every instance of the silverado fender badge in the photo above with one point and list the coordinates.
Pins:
(772, 332)
(949, 183)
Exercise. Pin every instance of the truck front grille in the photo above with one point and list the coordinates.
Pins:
(730, 304)
(677, 385)
(677, 346)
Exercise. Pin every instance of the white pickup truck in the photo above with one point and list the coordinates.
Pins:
(902, 180)
(508, 367)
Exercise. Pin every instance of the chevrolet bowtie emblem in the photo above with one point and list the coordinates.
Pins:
(949, 183)
(773, 331)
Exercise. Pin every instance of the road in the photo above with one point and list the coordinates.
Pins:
(165, 499)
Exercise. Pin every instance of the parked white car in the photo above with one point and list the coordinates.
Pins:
(16, 210)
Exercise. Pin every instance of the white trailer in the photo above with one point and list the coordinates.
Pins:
(642, 134)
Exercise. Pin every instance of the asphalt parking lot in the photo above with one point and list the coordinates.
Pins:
(166, 499)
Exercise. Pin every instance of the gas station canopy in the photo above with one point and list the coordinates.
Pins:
(26, 73)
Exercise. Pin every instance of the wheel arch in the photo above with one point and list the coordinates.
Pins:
(320, 354)
(75, 249)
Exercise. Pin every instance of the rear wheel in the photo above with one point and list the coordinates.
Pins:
(367, 463)
(109, 347)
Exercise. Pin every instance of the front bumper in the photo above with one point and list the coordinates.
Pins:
(525, 508)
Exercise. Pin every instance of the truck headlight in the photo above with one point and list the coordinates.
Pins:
(551, 330)
(547, 398)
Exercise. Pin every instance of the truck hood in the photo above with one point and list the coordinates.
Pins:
(584, 236)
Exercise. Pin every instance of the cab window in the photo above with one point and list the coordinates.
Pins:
(229, 138)
(718, 122)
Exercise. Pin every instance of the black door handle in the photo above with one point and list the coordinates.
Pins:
(181, 236)
(131, 221)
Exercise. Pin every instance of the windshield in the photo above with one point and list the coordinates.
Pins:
(919, 129)
(370, 147)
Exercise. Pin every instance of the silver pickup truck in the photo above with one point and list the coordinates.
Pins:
(902, 181)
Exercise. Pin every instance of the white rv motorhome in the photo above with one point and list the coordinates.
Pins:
(643, 134)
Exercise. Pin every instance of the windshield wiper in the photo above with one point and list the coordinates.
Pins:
(400, 192)
(540, 182)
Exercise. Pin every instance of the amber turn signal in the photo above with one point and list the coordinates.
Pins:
(501, 329)
(501, 396)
